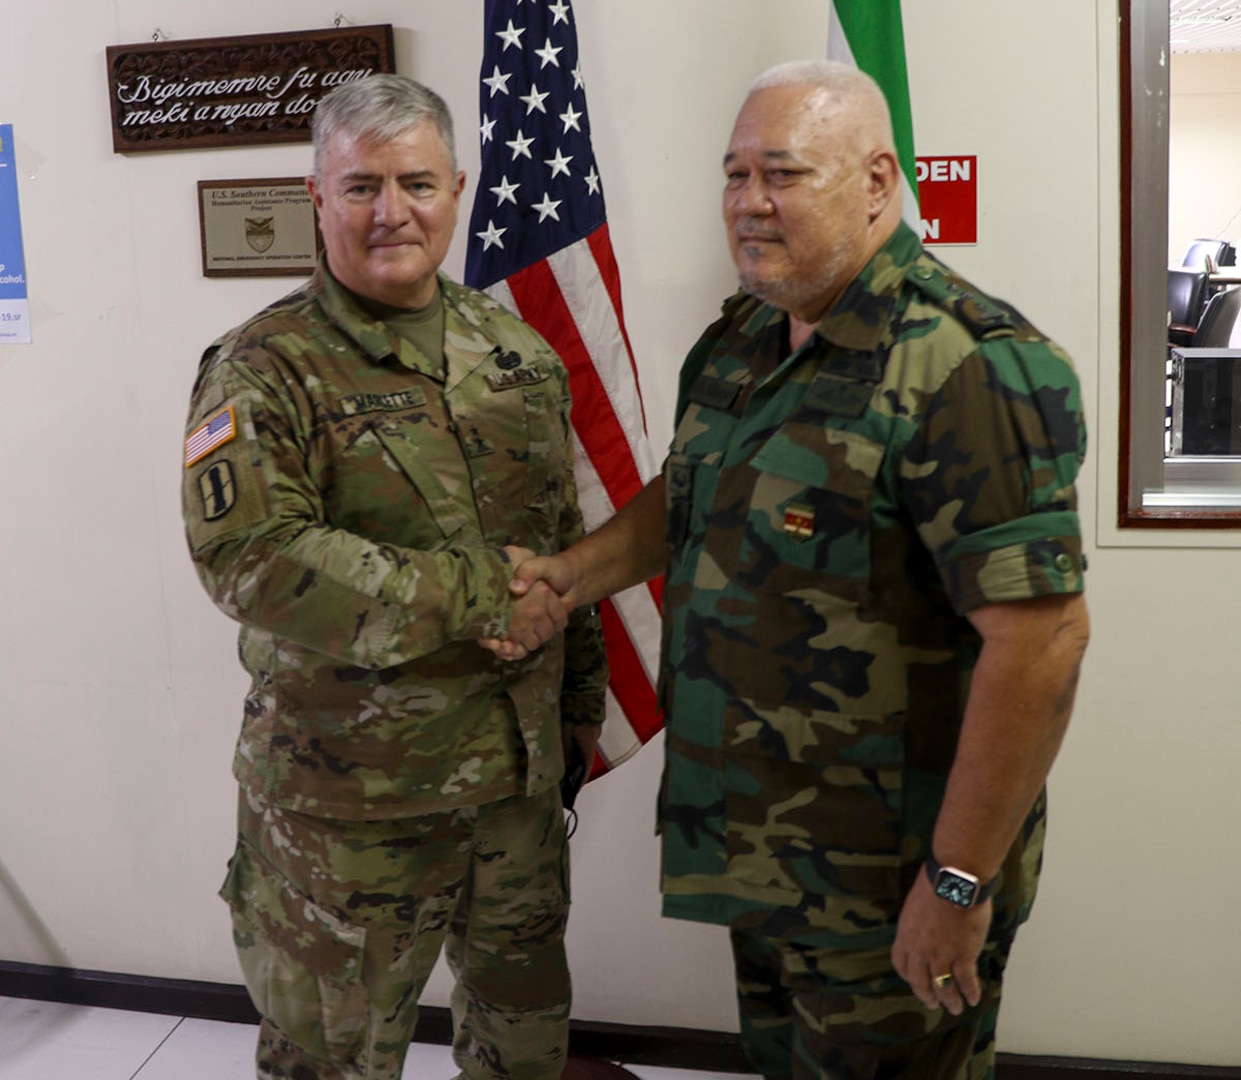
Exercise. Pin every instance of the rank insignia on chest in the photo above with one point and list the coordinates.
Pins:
(799, 521)
(475, 444)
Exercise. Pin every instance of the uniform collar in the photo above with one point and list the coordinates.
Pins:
(467, 341)
(465, 344)
(861, 316)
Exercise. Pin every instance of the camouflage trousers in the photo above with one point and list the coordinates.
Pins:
(813, 1012)
(339, 923)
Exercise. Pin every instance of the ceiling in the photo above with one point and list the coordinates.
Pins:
(1205, 26)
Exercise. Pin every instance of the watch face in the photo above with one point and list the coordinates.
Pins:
(954, 889)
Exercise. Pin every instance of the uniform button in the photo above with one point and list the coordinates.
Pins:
(1064, 563)
(923, 273)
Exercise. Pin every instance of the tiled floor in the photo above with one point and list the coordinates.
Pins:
(41, 1040)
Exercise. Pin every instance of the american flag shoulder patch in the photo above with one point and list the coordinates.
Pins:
(212, 434)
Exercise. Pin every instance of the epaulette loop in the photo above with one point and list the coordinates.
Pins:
(976, 310)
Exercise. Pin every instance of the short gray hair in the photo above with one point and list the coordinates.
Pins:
(847, 87)
(379, 107)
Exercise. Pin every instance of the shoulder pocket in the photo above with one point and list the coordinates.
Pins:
(220, 495)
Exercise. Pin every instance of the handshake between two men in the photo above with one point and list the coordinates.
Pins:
(543, 586)
(547, 588)
(628, 549)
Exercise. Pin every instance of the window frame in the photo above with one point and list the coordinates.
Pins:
(1153, 492)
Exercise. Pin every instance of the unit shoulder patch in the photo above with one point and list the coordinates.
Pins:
(218, 489)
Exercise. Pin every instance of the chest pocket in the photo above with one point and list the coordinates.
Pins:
(698, 447)
(433, 464)
(380, 460)
(810, 512)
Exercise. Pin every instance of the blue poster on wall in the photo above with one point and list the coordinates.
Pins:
(14, 301)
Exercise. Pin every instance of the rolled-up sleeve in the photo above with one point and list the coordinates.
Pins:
(989, 475)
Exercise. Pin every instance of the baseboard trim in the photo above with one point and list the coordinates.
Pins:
(685, 1048)
(1034, 1067)
(134, 993)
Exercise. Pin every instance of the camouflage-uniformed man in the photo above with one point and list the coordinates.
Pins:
(366, 460)
(873, 621)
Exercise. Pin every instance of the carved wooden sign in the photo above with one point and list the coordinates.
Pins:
(234, 91)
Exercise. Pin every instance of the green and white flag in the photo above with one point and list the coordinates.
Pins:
(867, 34)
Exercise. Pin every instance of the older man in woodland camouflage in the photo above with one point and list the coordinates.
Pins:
(366, 462)
(873, 620)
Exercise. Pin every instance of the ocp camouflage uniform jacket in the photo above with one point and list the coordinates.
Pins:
(353, 526)
(832, 518)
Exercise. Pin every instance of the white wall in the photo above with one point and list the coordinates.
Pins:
(1204, 150)
(119, 691)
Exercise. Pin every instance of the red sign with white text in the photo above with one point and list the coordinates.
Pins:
(948, 198)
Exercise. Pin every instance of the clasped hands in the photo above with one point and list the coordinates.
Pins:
(543, 587)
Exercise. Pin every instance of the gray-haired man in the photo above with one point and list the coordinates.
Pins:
(366, 462)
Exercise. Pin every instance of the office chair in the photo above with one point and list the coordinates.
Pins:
(1187, 290)
(1220, 325)
(1209, 254)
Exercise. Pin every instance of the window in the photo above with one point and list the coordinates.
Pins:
(1166, 479)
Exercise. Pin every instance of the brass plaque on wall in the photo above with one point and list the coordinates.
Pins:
(234, 91)
(257, 228)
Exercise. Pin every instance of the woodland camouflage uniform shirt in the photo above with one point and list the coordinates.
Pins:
(832, 518)
(347, 501)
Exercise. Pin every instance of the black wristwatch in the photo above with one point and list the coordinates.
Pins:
(956, 886)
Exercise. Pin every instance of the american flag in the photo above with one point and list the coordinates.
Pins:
(220, 429)
(539, 244)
